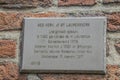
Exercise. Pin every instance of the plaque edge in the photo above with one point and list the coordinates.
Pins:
(105, 41)
(64, 71)
(22, 45)
(93, 17)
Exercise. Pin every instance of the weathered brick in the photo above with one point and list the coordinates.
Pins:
(111, 1)
(117, 46)
(113, 22)
(76, 2)
(9, 71)
(7, 48)
(24, 3)
(113, 73)
(13, 20)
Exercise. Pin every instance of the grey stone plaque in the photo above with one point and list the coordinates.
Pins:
(64, 45)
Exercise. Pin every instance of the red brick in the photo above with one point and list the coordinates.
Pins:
(13, 20)
(117, 46)
(24, 3)
(113, 73)
(76, 2)
(111, 1)
(9, 71)
(7, 48)
(113, 22)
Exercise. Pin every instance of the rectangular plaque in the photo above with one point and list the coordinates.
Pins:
(64, 45)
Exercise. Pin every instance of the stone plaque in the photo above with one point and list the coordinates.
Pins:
(64, 45)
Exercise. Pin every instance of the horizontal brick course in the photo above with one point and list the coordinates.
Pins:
(24, 3)
(76, 2)
(13, 20)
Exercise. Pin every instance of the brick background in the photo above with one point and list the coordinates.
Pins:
(7, 48)
(12, 13)
(76, 2)
(114, 22)
(24, 3)
(10, 71)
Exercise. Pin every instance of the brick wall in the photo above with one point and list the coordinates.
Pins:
(12, 13)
